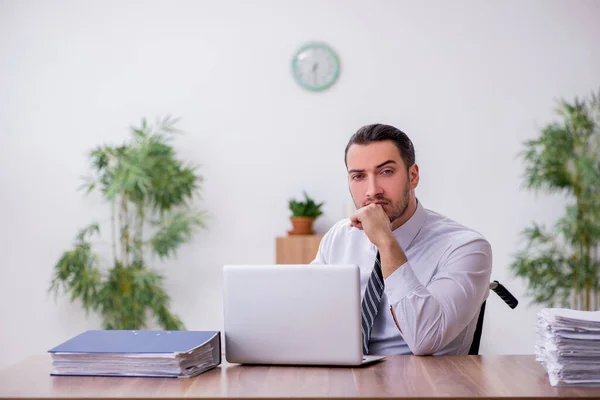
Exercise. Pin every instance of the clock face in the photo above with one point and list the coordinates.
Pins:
(315, 66)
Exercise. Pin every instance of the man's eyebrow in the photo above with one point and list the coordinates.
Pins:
(355, 170)
(376, 167)
(385, 163)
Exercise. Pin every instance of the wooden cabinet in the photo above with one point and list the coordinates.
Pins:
(296, 249)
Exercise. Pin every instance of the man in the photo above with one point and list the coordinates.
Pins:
(423, 276)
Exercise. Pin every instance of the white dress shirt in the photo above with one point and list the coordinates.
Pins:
(436, 295)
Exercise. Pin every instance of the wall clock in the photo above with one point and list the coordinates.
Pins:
(315, 66)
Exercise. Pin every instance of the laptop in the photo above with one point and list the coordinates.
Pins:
(293, 314)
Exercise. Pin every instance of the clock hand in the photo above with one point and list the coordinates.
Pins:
(314, 72)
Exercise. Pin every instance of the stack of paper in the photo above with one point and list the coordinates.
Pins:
(568, 346)
(176, 354)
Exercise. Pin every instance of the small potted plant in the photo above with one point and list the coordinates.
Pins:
(303, 215)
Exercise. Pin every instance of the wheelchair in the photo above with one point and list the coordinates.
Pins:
(508, 298)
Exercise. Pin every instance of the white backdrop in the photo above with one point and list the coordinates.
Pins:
(467, 80)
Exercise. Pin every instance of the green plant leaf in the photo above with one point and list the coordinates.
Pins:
(174, 230)
(306, 208)
(150, 192)
(562, 266)
(76, 272)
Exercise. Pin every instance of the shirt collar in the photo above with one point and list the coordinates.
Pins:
(406, 232)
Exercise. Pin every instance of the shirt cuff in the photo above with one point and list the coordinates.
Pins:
(400, 283)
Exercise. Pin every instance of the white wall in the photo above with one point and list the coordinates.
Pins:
(467, 80)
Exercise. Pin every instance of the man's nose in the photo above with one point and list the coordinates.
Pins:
(373, 188)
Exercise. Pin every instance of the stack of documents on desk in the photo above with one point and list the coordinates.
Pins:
(568, 346)
(153, 353)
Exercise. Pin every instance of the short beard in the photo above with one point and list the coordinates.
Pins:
(398, 209)
(402, 205)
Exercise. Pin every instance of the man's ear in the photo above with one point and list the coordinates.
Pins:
(413, 176)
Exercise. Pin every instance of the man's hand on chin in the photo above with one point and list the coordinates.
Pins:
(376, 224)
(373, 220)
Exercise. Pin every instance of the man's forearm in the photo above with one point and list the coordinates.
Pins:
(392, 256)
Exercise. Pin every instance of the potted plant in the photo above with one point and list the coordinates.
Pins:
(303, 215)
(148, 190)
(561, 265)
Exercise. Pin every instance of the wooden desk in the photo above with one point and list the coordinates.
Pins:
(396, 377)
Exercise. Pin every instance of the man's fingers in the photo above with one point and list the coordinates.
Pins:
(355, 221)
(356, 224)
(355, 218)
(371, 215)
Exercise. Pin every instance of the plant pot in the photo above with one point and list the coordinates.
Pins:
(301, 226)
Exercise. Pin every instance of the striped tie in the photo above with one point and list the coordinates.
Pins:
(370, 302)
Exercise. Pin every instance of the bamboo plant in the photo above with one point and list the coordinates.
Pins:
(149, 191)
(561, 265)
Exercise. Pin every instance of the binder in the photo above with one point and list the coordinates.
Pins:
(139, 353)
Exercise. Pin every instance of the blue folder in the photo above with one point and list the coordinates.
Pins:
(115, 343)
(136, 342)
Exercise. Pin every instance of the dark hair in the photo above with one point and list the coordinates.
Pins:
(380, 132)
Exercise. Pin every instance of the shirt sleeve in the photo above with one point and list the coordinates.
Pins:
(323, 253)
(431, 316)
(320, 257)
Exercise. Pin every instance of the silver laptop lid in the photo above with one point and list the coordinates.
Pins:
(292, 314)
